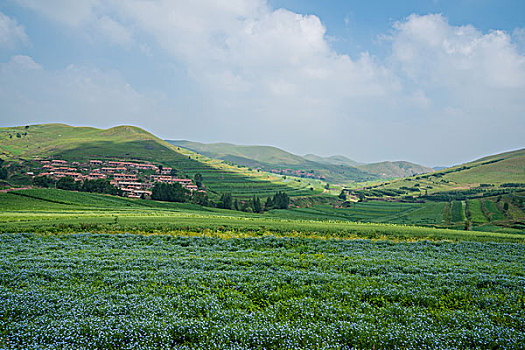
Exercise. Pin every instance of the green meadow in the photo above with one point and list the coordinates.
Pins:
(51, 210)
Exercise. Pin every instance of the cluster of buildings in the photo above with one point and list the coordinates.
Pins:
(134, 179)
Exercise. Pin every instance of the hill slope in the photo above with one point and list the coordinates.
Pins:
(334, 160)
(131, 143)
(395, 169)
(493, 175)
(272, 158)
(334, 169)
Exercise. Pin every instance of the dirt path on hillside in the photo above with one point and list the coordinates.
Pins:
(15, 189)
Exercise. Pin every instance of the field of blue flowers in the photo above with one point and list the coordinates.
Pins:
(105, 291)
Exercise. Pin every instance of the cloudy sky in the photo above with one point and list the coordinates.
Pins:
(430, 81)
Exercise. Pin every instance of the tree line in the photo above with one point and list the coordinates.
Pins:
(69, 184)
(279, 201)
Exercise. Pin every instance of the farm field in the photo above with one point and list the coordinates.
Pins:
(50, 210)
(102, 291)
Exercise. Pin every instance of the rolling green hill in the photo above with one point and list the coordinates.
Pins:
(495, 175)
(27, 143)
(338, 169)
(394, 169)
(272, 158)
(334, 160)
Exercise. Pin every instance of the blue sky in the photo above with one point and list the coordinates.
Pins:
(434, 82)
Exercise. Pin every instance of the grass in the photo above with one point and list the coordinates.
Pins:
(49, 210)
(131, 143)
(492, 211)
(457, 212)
(477, 216)
(494, 170)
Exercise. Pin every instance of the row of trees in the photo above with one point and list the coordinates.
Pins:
(176, 193)
(69, 184)
(3, 171)
(279, 201)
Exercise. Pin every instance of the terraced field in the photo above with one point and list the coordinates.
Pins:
(82, 144)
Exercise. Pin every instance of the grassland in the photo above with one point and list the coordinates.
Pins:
(475, 178)
(89, 271)
(93, 291)
(131, 143)
(268, 158)
(50, 210)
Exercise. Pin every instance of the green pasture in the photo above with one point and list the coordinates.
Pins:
(49, 210)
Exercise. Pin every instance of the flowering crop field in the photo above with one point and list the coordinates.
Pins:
(131, 291)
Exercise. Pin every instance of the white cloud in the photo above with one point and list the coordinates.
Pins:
(518, 37)
(71, 13)
(271, 76)
(114, 31)
(93, 19)
(75, 94)
(432, 52)
(21, 63)
(11, 33)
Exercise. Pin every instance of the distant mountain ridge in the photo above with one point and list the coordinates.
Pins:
(395, 169)
(274, 159)
(337, 168)
(334, 160)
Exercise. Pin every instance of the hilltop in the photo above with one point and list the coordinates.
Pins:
(395, 169)
(60, 141)
(273, 159)
(487, 172)
(334, 169)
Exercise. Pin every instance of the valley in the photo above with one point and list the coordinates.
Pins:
(233, 256)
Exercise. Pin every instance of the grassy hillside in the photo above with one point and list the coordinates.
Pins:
(338, 169)
(395, 169)
(132, 143)
(334, 160)
(261, 154)
(489, 173)
(500, 177)
(268, 158)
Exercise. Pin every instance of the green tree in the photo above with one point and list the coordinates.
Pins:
(100, 186)
(281, 200)
(43, 181)
(200, 198)
(257, 207)
(269, 203)
(226, 201)
(3, 174)
(169, 192)
(198, 180)
(67, 183)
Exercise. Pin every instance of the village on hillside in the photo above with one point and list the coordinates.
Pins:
(134, 179)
